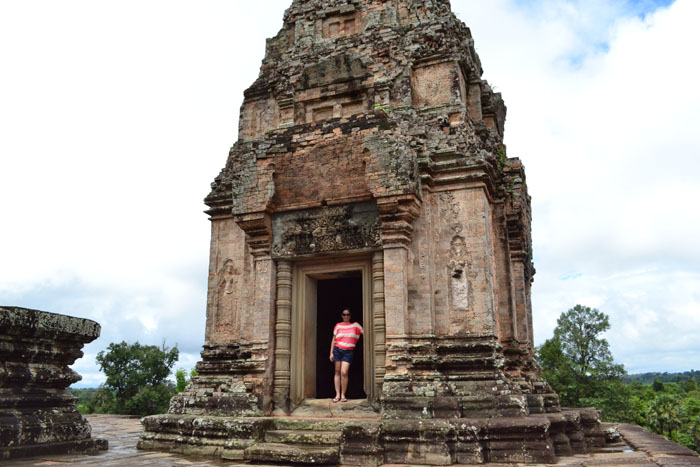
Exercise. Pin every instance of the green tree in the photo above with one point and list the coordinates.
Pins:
(579, 330)
(657, 385)
(615, 401)
(665, 414)
(557, 370)
(577, 362)
(695, 432)
(689, 385)
(137, 377)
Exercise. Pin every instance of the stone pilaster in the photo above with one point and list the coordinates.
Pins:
(379, 321)
(283, 335)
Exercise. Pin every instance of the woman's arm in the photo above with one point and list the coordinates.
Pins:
(332, 344)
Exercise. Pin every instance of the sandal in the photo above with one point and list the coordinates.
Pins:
(335, 400)
(343, 400)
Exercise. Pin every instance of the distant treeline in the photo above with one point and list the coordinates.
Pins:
(649, 378)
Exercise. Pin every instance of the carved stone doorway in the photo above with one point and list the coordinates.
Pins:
(332, 295)
(319, 278)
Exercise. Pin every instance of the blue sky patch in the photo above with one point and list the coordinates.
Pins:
(641, 8)
(569, 276)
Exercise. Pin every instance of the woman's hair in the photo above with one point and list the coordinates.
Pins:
(346, 308)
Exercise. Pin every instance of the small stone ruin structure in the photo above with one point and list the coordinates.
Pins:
(370, 172)
(37, 412)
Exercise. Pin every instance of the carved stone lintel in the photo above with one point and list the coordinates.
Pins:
(333, 228)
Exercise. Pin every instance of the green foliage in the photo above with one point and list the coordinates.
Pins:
(83, 399)
(502, 157)
(664, 414)
(614, 400)
(379, 107)
(579, 331)
(136, 378)
(557, 370)
(150, 400)
(694, 432)
(689, 385)
(578, 364)
(664, 377)
(182, 379)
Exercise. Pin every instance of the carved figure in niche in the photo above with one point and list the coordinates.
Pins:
(459, 282)
(225, 305)
(449, 207)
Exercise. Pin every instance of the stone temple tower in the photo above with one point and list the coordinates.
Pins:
(370, 173)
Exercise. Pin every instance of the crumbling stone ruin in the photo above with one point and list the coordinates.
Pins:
(37, 412)
(370, 168)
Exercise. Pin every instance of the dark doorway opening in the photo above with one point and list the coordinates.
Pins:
(332, 296)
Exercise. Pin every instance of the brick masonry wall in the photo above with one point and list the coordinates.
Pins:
(229, 297)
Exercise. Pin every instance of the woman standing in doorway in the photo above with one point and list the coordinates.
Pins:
(345, 337)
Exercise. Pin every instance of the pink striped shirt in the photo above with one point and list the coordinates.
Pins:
(347, 335)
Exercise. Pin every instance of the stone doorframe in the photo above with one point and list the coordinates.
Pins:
(294, 380)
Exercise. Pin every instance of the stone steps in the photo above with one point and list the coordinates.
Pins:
(299, 441)
(309, 424)
(305, 437)
(287, 454)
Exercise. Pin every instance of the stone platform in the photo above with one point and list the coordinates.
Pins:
(319, 432)
(637, 448)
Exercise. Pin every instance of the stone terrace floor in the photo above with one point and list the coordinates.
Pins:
(640, 449)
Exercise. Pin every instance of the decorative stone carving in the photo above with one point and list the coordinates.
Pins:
(448, 205)
(336, 228)
(283, 334)
(37, 413)
(379, 319)
(459, 281)
(226, 307)
(388, 144)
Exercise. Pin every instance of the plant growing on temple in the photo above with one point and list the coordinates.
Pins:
(181, 378)
(380, 108)
(137, 377)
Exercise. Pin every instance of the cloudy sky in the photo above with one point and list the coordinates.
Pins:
(116, 116)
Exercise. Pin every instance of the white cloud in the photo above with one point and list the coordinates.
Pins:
(608, 142)
(116, 118)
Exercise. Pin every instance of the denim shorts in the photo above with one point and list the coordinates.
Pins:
(342, 355)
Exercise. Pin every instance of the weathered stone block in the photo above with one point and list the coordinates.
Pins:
(37, 413)
(370, 145)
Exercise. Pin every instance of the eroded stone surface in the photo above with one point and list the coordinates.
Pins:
(370, 136)
(37, 413)
(123, 432)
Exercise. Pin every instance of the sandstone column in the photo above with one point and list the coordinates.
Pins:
(283, 335)
(379, 321)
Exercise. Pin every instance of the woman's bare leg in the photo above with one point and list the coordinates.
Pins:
(336, 379)
(344, 369)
